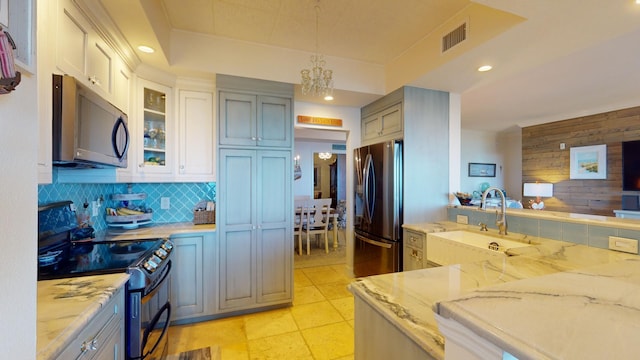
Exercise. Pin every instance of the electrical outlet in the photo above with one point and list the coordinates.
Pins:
(623, 244)
(165, 203)
(462, 219)
(95, 208)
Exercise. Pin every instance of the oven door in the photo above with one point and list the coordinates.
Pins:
(148, 325)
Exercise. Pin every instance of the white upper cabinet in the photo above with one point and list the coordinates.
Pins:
(45, 66)
(171, 120)
(82, 53)
(172, 139)
(154, 128)
(196, 140)
(72, 39)
(100, 65)
(122, 86)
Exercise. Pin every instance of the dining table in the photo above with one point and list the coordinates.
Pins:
(334, 220)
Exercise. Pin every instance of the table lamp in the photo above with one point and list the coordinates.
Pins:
(538, 190)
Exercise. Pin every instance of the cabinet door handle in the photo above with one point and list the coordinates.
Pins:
(141, 165)
(259, 139)
(254, 138)
(94, 80)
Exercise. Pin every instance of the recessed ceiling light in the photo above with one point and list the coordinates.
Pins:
(146, 49)
(328, 97)
(484, 68)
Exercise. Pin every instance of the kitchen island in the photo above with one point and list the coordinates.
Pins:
(403, 303)
(589, 313)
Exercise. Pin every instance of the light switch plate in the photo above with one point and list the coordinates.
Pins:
(623, 244)
(462, 219)
(165, 203)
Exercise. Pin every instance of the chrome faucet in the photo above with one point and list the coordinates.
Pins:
(501, 219)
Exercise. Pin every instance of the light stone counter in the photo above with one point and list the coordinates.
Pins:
(162, 230)
(609, 221)
(590, 313)
(407, 299)
(432, 227)
(66, 306)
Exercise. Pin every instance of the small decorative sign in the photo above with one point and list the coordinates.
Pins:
(312, 120)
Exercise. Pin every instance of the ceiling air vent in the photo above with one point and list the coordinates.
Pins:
(455, 37)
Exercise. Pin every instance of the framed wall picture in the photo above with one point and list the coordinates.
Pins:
(588, 162)
(482, 170)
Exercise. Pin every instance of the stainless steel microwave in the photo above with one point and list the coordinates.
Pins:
(88, 131)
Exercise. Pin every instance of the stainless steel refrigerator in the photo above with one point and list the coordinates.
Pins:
(378, 209)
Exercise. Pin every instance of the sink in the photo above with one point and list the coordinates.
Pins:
(459, 247)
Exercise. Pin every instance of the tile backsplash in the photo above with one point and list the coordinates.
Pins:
(183, 197)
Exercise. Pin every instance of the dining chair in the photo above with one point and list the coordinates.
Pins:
(299, 218)
(317, 221)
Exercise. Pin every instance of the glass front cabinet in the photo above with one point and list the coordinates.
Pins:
(157, 135)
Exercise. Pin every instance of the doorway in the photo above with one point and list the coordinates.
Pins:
(322, 177)
(329, 177)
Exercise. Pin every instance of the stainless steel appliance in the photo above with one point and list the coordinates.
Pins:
(88, 131)
(64, 250)
(378, 209)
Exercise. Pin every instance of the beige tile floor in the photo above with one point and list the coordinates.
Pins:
(318, 326)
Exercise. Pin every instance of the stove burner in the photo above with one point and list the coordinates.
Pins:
(124, 252)
(50, 258)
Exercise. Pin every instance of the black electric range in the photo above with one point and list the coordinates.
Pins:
(67, 251)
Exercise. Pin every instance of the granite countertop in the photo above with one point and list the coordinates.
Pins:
(66, 306)
(588, 313)
(611, 221)
(431, 227)
(161, 230)
(407, 299)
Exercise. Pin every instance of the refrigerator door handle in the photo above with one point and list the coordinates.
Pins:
(373, 242)
(365, 191)
(369, 188)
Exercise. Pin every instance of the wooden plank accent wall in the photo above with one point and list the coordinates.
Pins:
(544, 161)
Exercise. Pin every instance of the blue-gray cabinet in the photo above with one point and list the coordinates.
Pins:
(256, 248)
(254, 193)
(255, 120)
(194, 278)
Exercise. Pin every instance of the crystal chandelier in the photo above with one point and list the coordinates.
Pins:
(318, 80)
